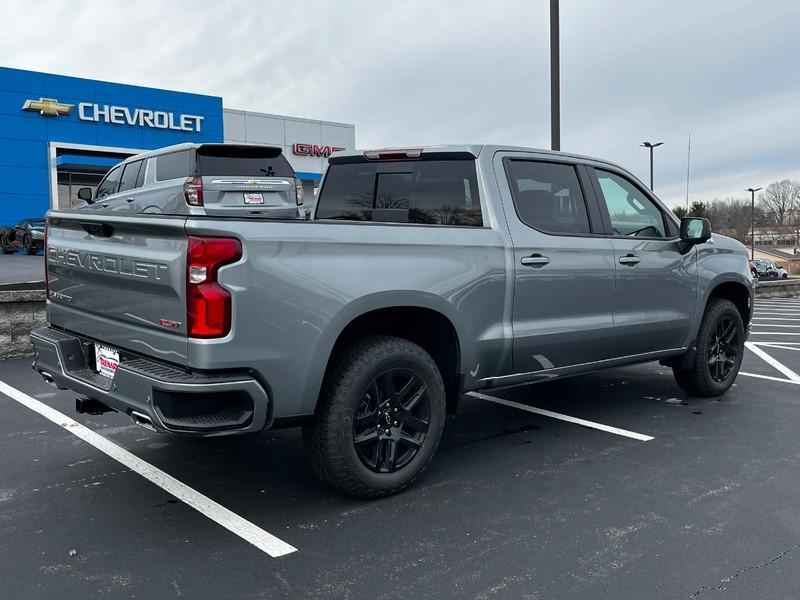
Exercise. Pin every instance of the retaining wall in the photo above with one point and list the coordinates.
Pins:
(21, 311)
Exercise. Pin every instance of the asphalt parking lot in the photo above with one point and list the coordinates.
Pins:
(652, 495)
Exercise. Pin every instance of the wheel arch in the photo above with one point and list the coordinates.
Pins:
(738, 293)
(424, 319)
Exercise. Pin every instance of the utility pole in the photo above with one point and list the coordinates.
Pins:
(752, 221)
(555, 82)
(651, 145)
(688, 165)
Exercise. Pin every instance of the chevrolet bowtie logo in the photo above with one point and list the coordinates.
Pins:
(48, 107)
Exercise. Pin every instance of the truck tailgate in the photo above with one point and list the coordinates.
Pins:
(120, 280)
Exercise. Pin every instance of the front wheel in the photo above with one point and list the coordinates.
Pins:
(379, 419)
(720, 348)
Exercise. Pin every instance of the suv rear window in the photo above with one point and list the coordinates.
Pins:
(431, 192)
(174, 165)
(242, 160)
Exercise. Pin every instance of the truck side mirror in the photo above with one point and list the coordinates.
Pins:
(694, 230)
(85, 194)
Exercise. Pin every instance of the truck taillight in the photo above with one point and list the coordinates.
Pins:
(298, 186)
(208, 304)
(193, 191)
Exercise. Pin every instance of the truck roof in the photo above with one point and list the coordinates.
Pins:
(475, 150)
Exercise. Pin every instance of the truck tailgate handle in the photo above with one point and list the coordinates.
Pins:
(534, 260)
(98, 229)
(629, 259)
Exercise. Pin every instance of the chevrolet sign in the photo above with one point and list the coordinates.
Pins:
(117, 115)
(47, 107)
(122, 115)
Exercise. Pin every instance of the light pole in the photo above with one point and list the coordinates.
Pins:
(752, 221)
(555, 91)
(651, 145)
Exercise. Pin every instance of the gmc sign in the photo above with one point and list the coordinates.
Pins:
(314, 150)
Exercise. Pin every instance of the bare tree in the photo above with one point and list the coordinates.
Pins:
(780, 198)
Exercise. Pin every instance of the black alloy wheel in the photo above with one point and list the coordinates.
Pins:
(723, 349)
(392, 420)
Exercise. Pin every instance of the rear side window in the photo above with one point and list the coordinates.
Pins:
(174, 165)
(130, 176)
(433, 192)
(548, 196)
(109, 185)
(243, 161)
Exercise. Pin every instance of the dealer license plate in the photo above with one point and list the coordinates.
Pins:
(253, 198)
(106, 360)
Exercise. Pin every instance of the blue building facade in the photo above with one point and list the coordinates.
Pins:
(58, 133)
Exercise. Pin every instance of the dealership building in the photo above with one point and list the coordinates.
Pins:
(58, 134)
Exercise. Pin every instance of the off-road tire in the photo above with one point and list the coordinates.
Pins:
(329, 438)
(698, 380)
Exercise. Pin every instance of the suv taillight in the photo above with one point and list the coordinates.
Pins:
(193, 191)
(208, 304)
(298, 187)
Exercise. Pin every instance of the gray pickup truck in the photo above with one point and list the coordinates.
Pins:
(424, 273)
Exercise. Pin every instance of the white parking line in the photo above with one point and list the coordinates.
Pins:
(781, 346)
(554, 415)
(774, 333)
(777, 325)
(776, 364)
(759, 376)
(774, 319)
(246, 530)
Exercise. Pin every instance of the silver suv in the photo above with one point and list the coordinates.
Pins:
(202, 179)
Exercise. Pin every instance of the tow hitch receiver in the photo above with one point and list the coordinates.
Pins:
(90, 406)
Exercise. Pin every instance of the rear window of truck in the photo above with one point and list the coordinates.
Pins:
(240, 160)
(428, 192)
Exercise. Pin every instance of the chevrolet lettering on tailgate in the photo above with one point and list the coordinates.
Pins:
(106, 264)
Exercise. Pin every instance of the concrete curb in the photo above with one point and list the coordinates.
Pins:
(787, 288)
(20, 311)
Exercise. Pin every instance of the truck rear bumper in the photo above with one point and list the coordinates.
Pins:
(172, 400)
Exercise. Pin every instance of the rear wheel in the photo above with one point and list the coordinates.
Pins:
(27, 245)
(720, 348)
(380, 417)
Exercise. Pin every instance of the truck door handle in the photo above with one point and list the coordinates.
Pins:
(534, 260)
(630, 260)
(130, 199)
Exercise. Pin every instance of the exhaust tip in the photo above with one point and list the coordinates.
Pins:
(142, 420)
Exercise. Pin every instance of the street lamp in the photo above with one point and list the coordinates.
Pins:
(651, 145)
(555, 85)
(752, 221)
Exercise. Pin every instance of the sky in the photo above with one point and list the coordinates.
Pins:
(417, 72)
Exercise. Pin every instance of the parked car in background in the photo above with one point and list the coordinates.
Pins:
(753, 269)
(767, 269)
(214, 180)
(424, 274)
(27, 235)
